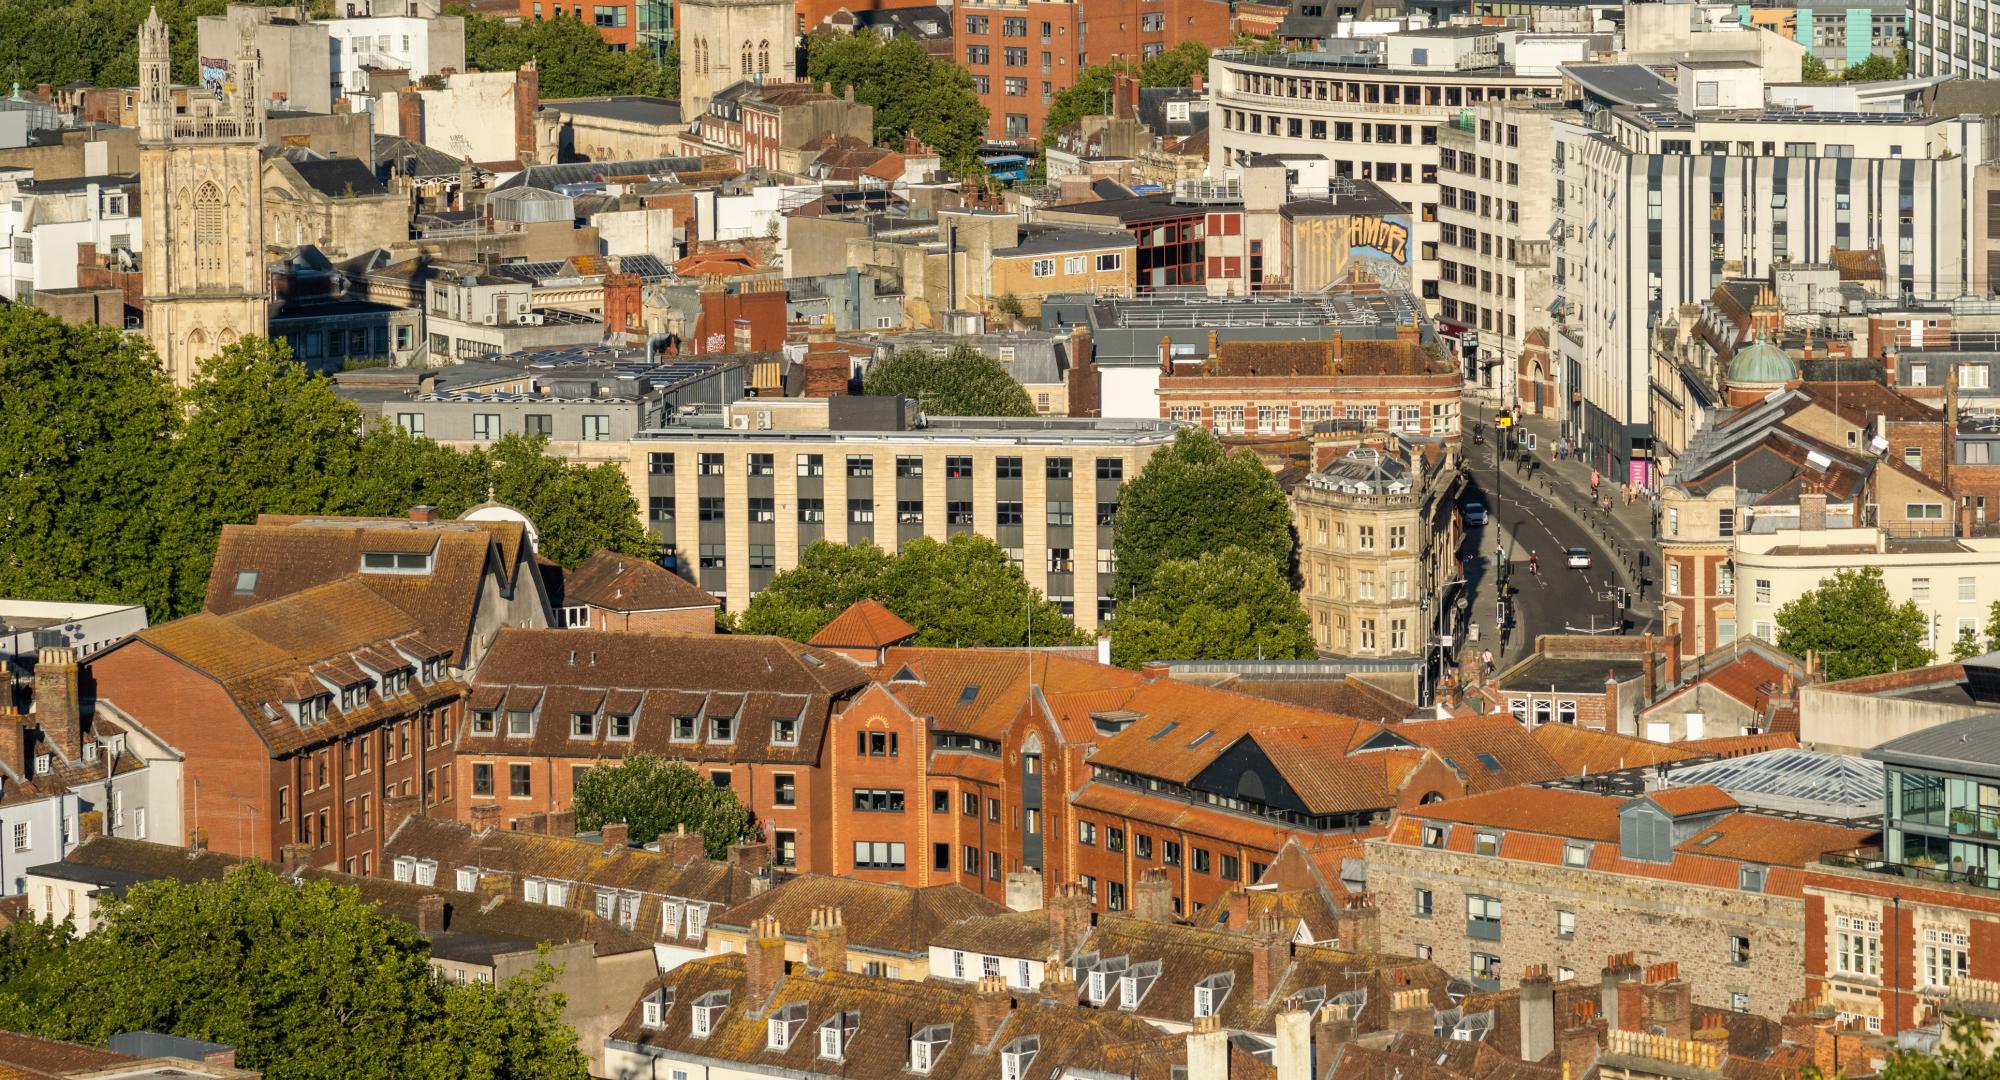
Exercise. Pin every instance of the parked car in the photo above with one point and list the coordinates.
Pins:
(1475, 513)
(1579, 559)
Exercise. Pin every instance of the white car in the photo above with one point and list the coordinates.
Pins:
(1475, 513)
(1579, 559)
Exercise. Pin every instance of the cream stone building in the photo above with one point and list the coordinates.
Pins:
(1378, 536)
(724, 42)
(201, 189)
(735, 503)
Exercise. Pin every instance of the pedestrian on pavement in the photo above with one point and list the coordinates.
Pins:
(1486, 658)
(1594, 480)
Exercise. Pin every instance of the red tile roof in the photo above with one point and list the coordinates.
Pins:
(1688, 801)
(1774, 841)
(1549, 811)
(866, 624)
(617, 582)
(1581, 751)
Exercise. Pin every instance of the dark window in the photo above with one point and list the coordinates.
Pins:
(482, 779)
(1110, 468)
(517, 781)
(1058, 468)
(884, 800)
(1007, 468)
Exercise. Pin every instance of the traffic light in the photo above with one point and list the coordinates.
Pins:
(1621, 597)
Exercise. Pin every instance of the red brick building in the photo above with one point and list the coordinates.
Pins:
(620, 592)
(1020, 54)
(317, 696)
(1285, 387)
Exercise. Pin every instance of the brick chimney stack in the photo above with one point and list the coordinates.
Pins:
(1410, 1010)
(682, 846)
(430, 913)
(1069, 919)
(14, 741)
(617, 835)
(763, 961)
(1270, 951)
(990, 1009)
(1538, 1013)
(1358, 927)
(58, 701)
(752, 857)
(485, 817)
(826, 941)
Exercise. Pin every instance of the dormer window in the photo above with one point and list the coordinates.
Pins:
(90, 750)
(311, 710)
(353, 697)
(784, 731)
(434, 670)
(1576, 855)
(618, 726)
(520, 724)
(928, 1046)
(707, 1012)
(1016, 1056)
(1134, 982)
(1210, 993)
(582, 725)
(415, 870)
(835, 1034)
(395, 562)
(44, 764)
(722, 729)
(784, 1026)
(484, 722)
(1434, 836)
(683, 729)
(1750, 878)
(654, 1009)
(1103, 979)
(1486, 843)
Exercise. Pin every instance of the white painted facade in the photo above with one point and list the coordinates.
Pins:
(421, 46)
(41, 229)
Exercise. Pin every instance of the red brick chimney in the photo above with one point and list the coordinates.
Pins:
(14, 741)
(617, 835)
(763, 961)
(430, 913)
(752, 857)
(1085, 395)
(424, 514)
(1069, 919)
(1358, 927)
(990, 1009)
(527, 99)
(683, 846)
(58, 702)
(410, 114)
(1270, 951)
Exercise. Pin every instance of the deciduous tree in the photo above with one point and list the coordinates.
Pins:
(1195, 497)
(961, 382)
(910, 91)
(653, 795)
(798, 603)
(571, 58)
(1854, 626)
(577, 509)
(306, 981)
(1224, 605)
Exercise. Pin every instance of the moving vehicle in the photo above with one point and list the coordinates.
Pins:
(1475, 513)
(1579, 558)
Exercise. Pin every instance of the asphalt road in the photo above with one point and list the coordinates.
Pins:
(1558, 600)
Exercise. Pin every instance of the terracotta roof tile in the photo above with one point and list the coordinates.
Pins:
(1774, 841)
(1549, 811)
(1167, 741)
(1581, 751)
(1693, 800)
(1490, 752)
(866, 624)
(981, 691)
(618, 582)
(1347, 696)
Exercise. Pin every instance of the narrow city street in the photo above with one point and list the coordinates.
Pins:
(1544, 508)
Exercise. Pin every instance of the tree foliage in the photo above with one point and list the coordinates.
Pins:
(910, 90)
(1223, 605)
(93, 41)
(1967, 646)
(114, 487)
(653, 795)
(1854, 626)
(306, 981)
(961, 382)
(1196, 497)
(962, 592)
(1090, 94)
(571, 58)
(1873, 69)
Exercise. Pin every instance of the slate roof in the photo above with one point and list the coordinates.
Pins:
(334, 177)
(879, 917)
(552, 177)
(1970, 745)
(618, 582)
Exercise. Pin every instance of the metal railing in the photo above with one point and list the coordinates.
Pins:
(1984, 823)
(1874, 861)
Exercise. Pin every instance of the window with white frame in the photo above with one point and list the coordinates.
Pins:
(928, 1046)
(1210, 993)
(1944, 952)
(1857, 945)
(1043, 268)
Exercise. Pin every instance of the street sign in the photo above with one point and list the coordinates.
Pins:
(1503, 420)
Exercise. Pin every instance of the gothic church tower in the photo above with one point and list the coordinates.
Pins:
(201, 194)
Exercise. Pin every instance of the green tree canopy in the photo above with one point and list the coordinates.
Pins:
(1968, 645)
(86, 420)
(306, 981)
(1854, 626)
(963, 592)
(653, 795)
(961, 382)
(1196, 497)
(1090, 94)
(114, 487)
(1223, 605)
(910, 91)
(571, 58)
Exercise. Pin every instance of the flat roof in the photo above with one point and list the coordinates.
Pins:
(1624, 84)
(947, 429)
(1566, 676)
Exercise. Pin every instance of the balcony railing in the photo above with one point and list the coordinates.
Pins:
(1873, 860)
(1984, 823)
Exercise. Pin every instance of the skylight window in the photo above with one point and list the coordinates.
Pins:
(966, 695)
(395, 562)
(246, 582)
(1164, 732)
(1201, 738)
(1492, 763)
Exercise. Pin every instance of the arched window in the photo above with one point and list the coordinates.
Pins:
(701, 54)
(208, 228)
(764, 57)
(746, 58)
